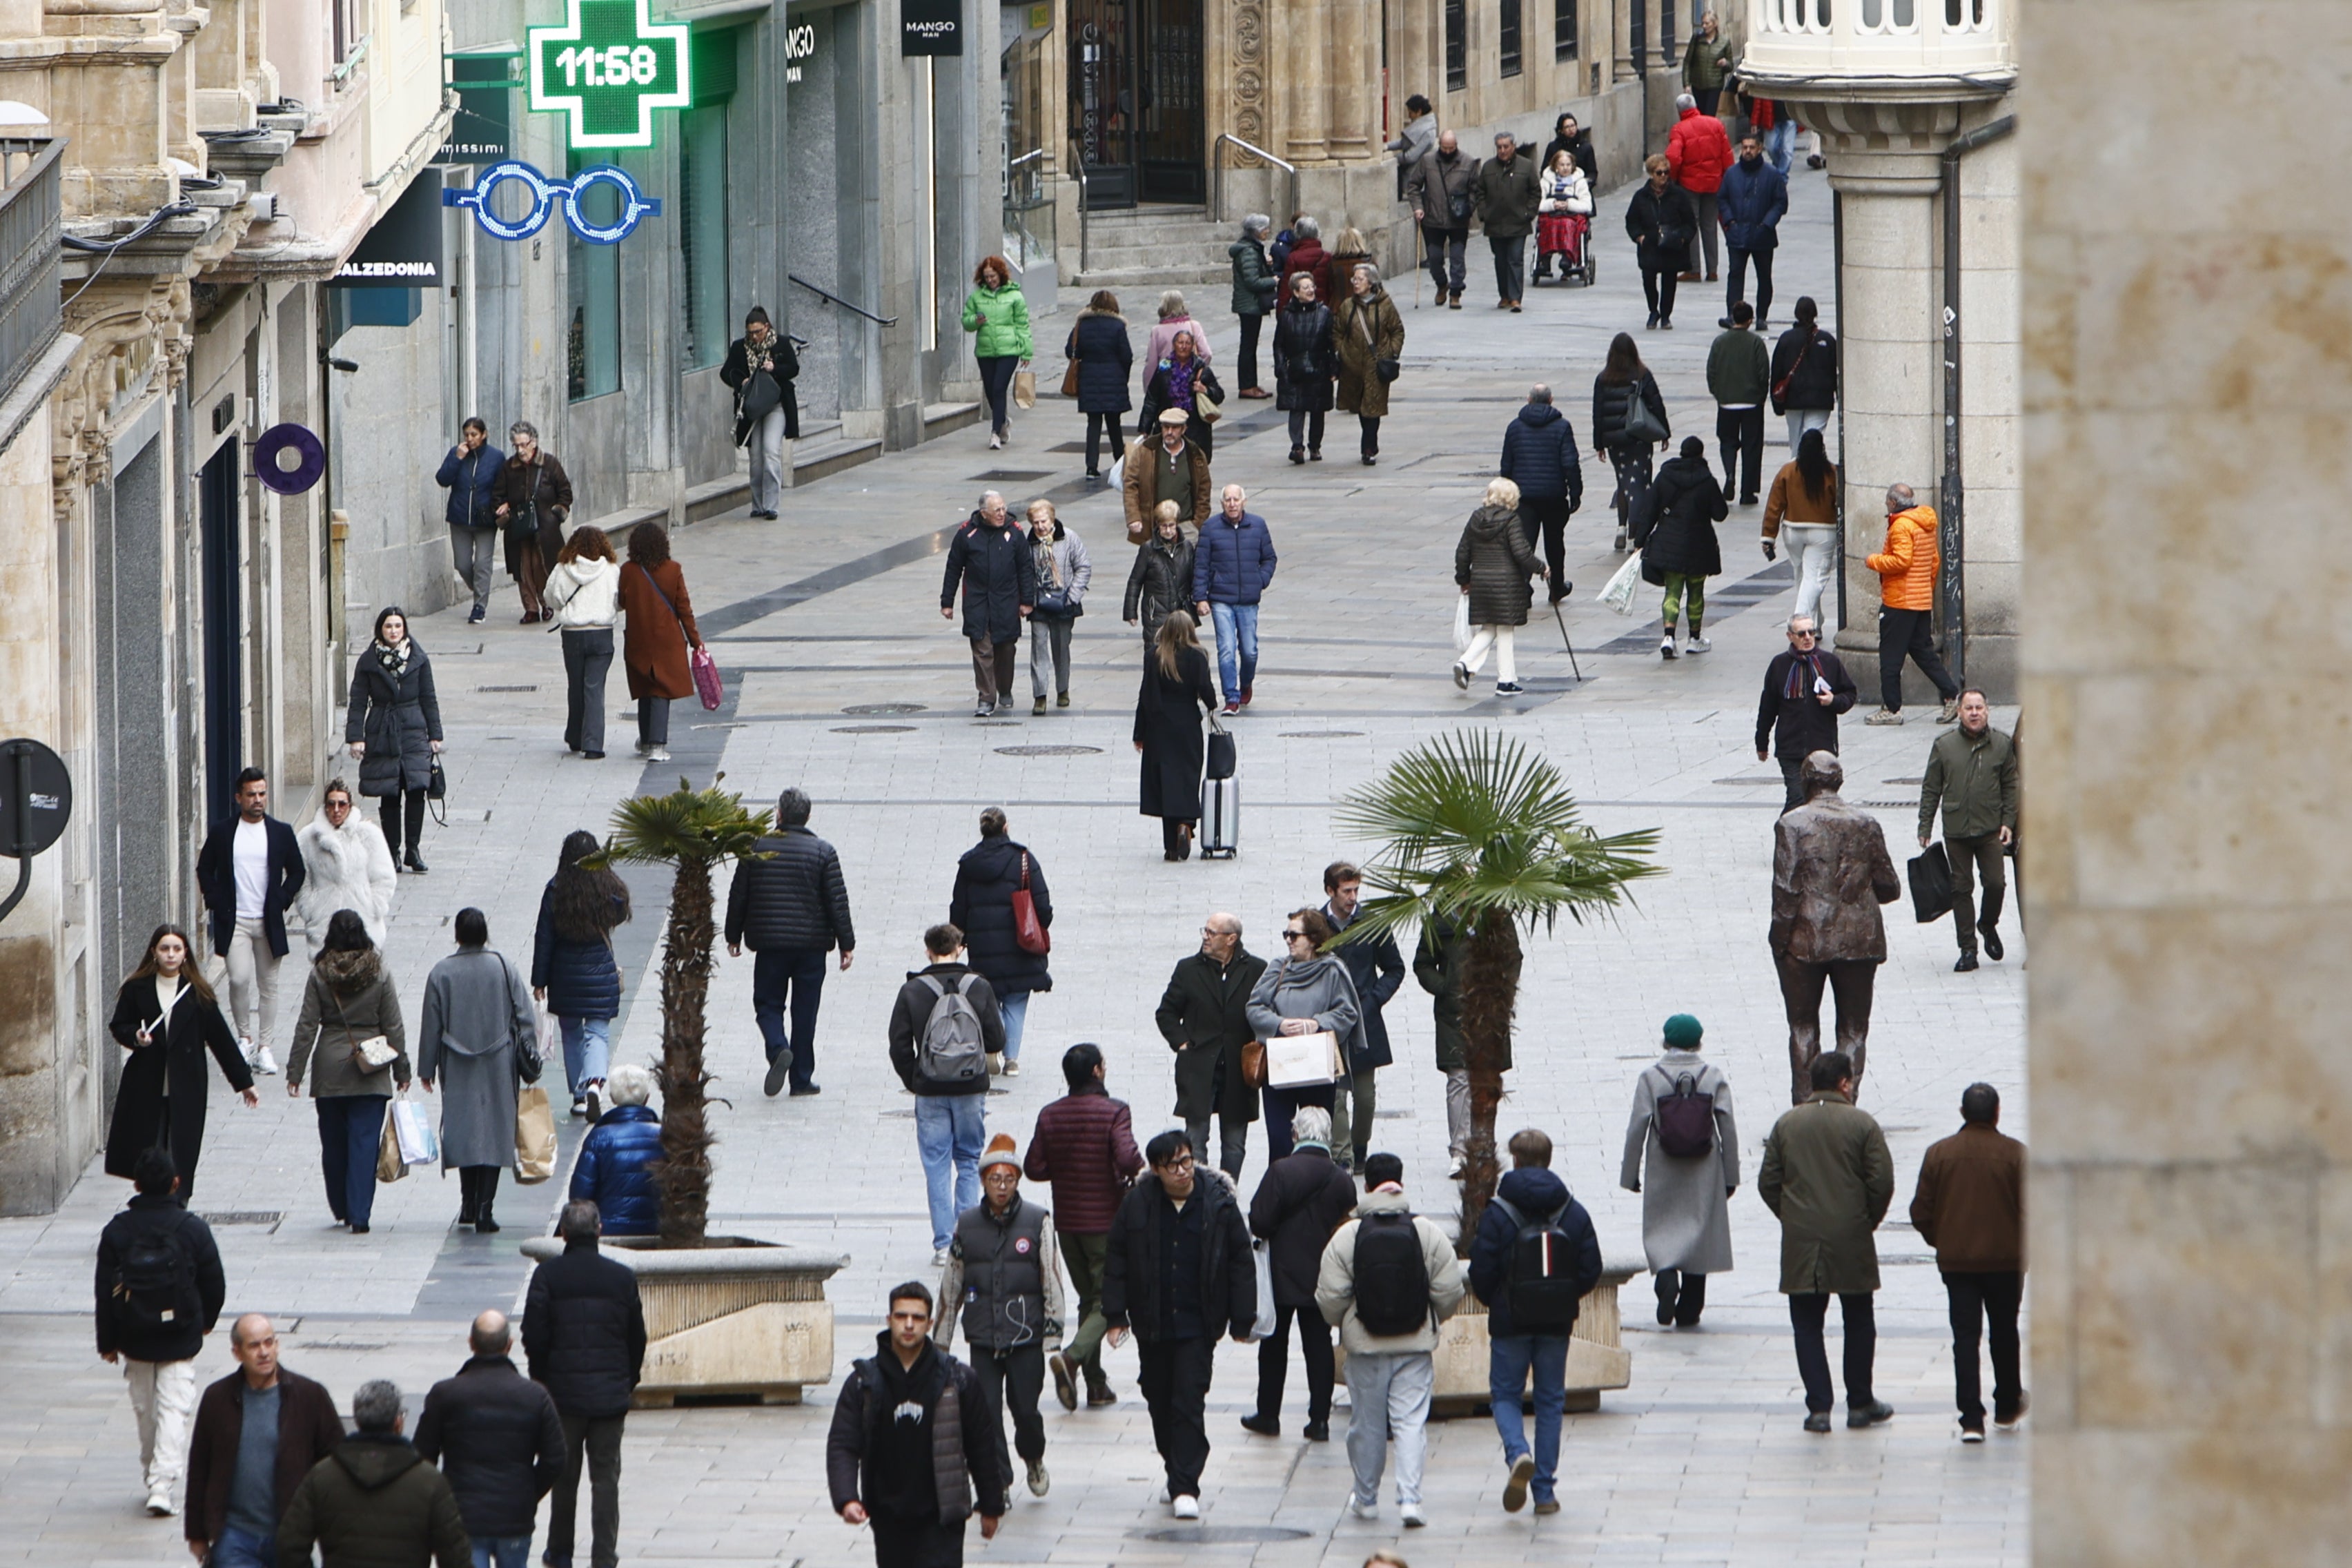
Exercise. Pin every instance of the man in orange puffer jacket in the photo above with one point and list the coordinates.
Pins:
(1907, 611)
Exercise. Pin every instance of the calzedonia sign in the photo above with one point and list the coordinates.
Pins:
(606, 70)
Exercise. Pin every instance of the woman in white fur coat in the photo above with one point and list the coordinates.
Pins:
(348, 865)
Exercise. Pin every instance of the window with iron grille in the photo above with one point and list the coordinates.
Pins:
(1563, 30)
(1457, 46)
(1509, 35)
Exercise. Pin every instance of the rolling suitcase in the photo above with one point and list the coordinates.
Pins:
(1220, 818)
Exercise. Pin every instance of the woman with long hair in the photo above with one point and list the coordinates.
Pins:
(573, 968)
(351, 1019)
(167, 1017)
(585, 593)
(997, 315)
(1098, 345)
(1801, 513)
(659, 631)
(1624, 385)
(1177, 689)
(394, 729)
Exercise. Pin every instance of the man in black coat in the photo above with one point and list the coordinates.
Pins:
(992, 562)
(1539, 456)
(500, 1440)
(1300, 1202)
(583, 1334)
(159, 1291)
(248, 871)
(1178, 1277)
(1377, 968)
(1204, 1017)
(238, 1489)
(792, 908)
(1805, 689)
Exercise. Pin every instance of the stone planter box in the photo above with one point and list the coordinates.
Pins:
(736, 1319)
(1597, 1358)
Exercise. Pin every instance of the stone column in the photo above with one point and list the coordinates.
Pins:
(2191, 1152)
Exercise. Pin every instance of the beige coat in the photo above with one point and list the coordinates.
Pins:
(1335, 1281)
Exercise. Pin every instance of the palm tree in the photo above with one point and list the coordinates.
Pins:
(1480, 836)
(695, 831)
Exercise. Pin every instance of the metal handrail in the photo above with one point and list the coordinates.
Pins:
(1031, 156)
(1217, 210)
(1086, 197)
(31, 238)
(858, 309)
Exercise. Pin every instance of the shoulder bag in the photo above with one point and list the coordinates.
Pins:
(1781, 387)
(371, 1055)
(1028, 931)
(1642, 421)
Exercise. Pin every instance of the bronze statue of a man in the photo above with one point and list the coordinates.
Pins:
(1831, 871)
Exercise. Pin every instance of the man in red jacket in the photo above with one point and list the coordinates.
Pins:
(1698, 151)
(1083, 1145)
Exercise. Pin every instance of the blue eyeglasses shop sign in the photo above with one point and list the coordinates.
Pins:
(606, 70)
(546, 194)
(930, 27)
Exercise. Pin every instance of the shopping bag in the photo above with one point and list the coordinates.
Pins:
(388, 1166)
(420, 1142)
(534, 1136)
(706, 678)
(1262, 1253)
(1931, 884)
(1115, 478)
(1461, 622)
(1024, 389)
(1299, 1061)
(1617, 591)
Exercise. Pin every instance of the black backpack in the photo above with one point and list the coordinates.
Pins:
(1686, 1120)
(154, 1285)
(1392, 1275)
(1540, 1288)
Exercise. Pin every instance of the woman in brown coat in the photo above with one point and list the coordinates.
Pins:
(533, 496)
(660, 628)
(1365, 331)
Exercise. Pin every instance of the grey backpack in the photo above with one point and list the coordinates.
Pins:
(953, 1048)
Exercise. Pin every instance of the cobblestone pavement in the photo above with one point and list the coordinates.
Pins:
(833, 608)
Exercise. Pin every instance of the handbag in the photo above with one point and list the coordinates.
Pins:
(1207, 409)
(1253, 1063)
(1028, 932)
(1221, 758)
(1459, 209)
(1388, 369)
(371, 1055)
(1024, 389)
(1642, 421)
(1302, 1061)
(1070, 379)
(762, 397)
(1931, 883)
(1781, 387)
(534, 1136)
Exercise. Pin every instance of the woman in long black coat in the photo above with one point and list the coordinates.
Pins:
(1660, 220)
(1676, 534)
(1168, 730)
(1304, 364)
(162, 1097)
(394, 727)
(1098, 345)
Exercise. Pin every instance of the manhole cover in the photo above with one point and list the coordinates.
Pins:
(1320, 734)
(506, 688)
(1014, 475)
(873, 728)
(1774, 782)
(883, 707)
(1047, 750)
(1219, 1534)
(243, 1217)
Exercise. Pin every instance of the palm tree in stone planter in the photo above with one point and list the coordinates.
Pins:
(1482, 837)
(696, 831)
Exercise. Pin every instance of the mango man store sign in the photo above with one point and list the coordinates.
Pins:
(606, 70)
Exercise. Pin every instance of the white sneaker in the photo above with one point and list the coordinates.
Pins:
(265, 1064)
(244, 1047)
(159, 1505)
(1412, 1515)
(1363, 1508)
(1011, 1067)
(1666, 647)
(940, 1258)
(657, 754)
(1454, 1169)
(1039, 1481)
(1187, 1507)
(1697, 644)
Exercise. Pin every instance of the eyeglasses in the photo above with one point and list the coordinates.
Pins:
(1181, 1162)
(1795, 634)
(1293, 935)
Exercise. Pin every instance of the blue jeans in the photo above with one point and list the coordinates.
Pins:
(1237, 634)
(587, 1051)
(1509, 1359)
(792, 976)
(1781, 142)
(242, 1548)
(502, 1551)
(1015, 1009)
(949, 1131)
(350, 1128)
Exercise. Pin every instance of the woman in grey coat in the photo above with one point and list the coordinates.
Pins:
(1686, 1199)
(476, 1036)
(1304, 990)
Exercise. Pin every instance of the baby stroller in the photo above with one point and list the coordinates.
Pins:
(1568, 237)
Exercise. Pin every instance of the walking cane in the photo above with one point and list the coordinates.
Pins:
(1564, 636)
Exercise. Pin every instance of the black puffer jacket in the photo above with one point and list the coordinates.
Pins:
(498, 1437)
(1161, 581)
(396, 717)
(1132, 1265)
(1300, 1202)
(1814, 377)
(1493, 561)
(1304, 359)
(1612, 403)
(795, 898)
(151, 1216)
(1674, 529)
(583, 1330)
(981, 908)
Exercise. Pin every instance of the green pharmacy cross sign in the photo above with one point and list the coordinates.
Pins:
(607, 68)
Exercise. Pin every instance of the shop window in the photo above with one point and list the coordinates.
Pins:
(1563, 30)
(1508, 12)
(592, 340)
(702, 233)
(1457, 46)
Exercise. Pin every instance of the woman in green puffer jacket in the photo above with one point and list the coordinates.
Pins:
(999, 317)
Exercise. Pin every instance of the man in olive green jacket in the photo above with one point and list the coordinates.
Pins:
(375, 1502)
(1828, 1176)
(1972, 772)
(1508, 190)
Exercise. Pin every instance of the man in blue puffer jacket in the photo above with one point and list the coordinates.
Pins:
(1539, 456)
(1231, 569)
(615, 1170)
(1754, 197)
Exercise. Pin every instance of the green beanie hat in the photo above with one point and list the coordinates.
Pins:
(1683, 1032)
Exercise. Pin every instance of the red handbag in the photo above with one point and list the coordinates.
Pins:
(1028, 932)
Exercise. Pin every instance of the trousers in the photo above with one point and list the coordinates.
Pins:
(1353, 1099)
(474, 552)
(792, 976)
(1234, 1142)
(991, 668)
(1737, 286)
(1504, 641)
(587, 1051)
(1236, 629)
(1803, 419)
(652, 721)
(1306, 428)
(587, 660)
(996, 381)
(1512, 1361)
(1102, 428)
(1545, 518)
(1812, 550)
(1280, 1106)
(350, 1132)
(1986, 1302)
(1446, 247)
(1682, 1294)
(767, 444)
(592, 1443)
(1708, 227)
(163, 1397)
(1015, 1378)
(1982, 856)
(1457, 1111)
(1397, 1384)
(1082, 1257)
(949, 1131)
(1809, 1314)
(1510, 265)
(1909, 633)
(530, 575)
(1252, 324)
(1851, 980)
(252, 975)
(1049, 644)
(1739, 436)
(1274, 1363)
(1175, 1378)
(1658, 286)
(1688, 589)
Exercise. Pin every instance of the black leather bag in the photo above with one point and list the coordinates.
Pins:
(1931, 884)
(762, 395)
(1222, 758)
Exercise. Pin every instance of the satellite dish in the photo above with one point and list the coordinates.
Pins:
(288, 460)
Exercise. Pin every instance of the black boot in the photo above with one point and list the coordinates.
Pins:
(468, 1205)
(414, 861)
(1989, 918)
(488, 1189)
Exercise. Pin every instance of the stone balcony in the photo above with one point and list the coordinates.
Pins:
(1881, 51)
